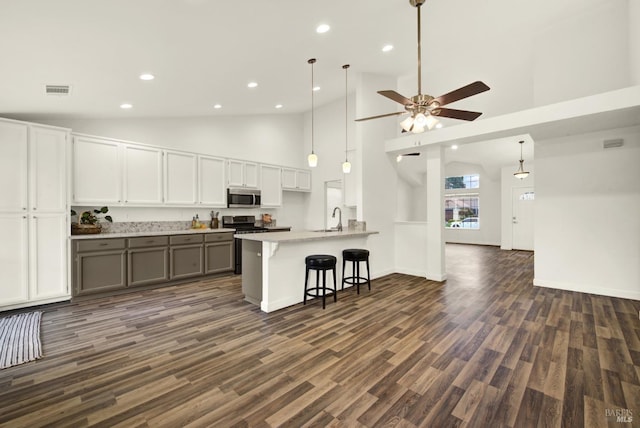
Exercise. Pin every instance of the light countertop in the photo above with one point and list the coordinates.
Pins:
(305, 235)
(152, 233)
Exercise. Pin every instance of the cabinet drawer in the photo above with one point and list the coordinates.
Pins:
(196, 238)
(100, 244)
(217, 237)
(148, 241)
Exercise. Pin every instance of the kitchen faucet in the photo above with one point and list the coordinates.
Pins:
(339, 227)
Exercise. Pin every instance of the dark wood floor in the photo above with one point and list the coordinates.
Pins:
(484, 349)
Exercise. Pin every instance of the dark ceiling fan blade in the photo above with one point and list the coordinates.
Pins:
(393, 95)
(381, 115)
(461, 93)
(457, 114)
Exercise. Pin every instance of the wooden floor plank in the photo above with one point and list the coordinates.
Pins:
(485, 348)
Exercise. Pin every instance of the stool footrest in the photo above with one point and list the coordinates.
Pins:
(354, 280)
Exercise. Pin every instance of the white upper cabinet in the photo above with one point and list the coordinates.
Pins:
(96, 171)
(13, 167)
(271, 186)
(48, 180)
(211, 182)
(180, 178)
(296, 179)
(142, 175)
(243, 174)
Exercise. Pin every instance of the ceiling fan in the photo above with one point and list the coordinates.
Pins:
(424, 108)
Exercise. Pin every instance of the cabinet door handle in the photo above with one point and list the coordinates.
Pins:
(103, 244)
(151, 241)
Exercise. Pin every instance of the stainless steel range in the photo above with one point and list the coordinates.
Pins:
(242, 224)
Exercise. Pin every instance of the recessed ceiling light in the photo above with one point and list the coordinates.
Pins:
(217, 106)
(126, 106)
(147, 76)
(387, 48)
(252, 85)
(278, 105)
(454, 147)
(322, 28)
(316, 88)
(439, 125)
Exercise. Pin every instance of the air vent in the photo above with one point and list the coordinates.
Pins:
(609, 144)
(58, 89)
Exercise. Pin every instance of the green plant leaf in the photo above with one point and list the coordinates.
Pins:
(73, 212)
(108, 218)
(104, 210)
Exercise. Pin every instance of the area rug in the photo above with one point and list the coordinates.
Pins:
(20, 339)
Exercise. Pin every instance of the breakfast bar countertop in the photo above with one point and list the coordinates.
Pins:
(303, 235)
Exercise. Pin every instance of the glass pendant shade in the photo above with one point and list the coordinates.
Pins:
(346, 167)
(313, 160)
(521, 173)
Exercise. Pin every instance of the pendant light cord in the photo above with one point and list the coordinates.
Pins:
(312, 61)
(346, 109)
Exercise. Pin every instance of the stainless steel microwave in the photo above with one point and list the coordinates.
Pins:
(243, 198)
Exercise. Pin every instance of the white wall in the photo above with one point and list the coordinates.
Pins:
(490, 212)
(587, 233)
(508, 183)
(276, 139)
(329, 145)
(572, 56)
(584, 54)
(378, 175)
(634, 41)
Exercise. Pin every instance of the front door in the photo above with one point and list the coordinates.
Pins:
(522, 218)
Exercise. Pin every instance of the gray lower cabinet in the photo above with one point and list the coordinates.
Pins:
(103, 265)
(219, 254)
(99, 266)
(186, 255)
(148, 260)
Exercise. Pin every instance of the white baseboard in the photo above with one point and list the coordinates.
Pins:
(380, 274)
(585, 288)
(439, 277)
(412, 272)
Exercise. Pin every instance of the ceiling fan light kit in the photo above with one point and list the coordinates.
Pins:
(423, 108)
(521, 173)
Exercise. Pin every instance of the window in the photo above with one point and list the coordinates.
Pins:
(462, 182)
(462, 211)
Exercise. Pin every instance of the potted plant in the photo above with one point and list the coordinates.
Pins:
(89, 222)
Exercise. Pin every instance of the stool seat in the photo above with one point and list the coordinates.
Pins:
(355, 256)
(320, 263)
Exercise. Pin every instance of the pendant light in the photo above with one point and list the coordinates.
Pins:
(312, 158)
(346, 165)
(521, 173)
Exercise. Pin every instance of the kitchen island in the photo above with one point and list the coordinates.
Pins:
(273, 266)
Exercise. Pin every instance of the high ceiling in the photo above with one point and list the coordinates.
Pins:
(204, 52)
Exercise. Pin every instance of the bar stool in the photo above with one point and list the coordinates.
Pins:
(355, 256)
(320, 262)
